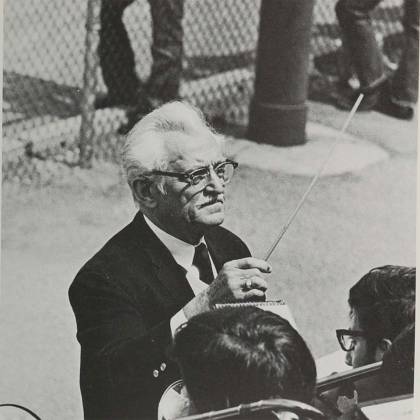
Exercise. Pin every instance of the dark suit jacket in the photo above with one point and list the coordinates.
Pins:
(123, 299)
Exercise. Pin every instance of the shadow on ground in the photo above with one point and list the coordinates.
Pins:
(26, 98)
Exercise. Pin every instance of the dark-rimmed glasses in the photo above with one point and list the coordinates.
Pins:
(346, 338)
(201, 176)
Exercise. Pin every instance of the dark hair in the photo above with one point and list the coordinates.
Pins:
(398, 362)
(242, 355)
(383, 301)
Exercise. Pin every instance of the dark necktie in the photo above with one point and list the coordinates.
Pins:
(202, 262)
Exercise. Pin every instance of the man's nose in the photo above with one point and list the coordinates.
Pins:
(215, 183)
(349, 358)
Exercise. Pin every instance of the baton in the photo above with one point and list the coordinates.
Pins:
(314, 180)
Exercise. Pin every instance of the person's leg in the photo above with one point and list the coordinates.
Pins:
(167, 47)
(116, 55)
(405, 80)
(360, 41)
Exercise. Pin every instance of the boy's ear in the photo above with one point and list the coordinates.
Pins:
(144, 192)
(383, 346)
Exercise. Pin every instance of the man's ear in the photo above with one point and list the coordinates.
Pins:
(383, 346)
(144, 191)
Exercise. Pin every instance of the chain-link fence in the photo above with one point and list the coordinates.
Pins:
(44, 65)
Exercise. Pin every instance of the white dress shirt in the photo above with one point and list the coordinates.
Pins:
(183, 254)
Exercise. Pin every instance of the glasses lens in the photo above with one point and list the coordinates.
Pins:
(199, 176)
(225, 171)
(347, 342)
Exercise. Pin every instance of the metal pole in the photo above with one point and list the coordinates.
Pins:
(278, 110)
(89, 82)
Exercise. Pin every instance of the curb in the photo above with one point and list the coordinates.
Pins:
(350, 154)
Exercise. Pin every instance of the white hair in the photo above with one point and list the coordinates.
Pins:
(146, 148)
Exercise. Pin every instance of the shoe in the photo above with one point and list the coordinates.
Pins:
(369, 102)
(380, 100)
(394, 109)
(111, 101)
(133, 116)
(390, 106)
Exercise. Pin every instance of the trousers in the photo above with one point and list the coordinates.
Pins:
(117, 58)
(360, 42)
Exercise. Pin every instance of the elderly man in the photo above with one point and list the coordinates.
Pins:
(170, 263)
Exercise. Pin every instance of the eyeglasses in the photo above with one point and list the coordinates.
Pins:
(201, 176)
(346, 338)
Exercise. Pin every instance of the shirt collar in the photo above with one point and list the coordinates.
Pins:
(182, 252)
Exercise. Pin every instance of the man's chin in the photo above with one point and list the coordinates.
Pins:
(207, 216)
(211, 219)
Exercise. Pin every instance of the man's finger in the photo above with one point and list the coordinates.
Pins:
(251, 262)
(248, 273)
(254, 293)
(254, 283)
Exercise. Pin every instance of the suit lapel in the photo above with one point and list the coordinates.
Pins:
(170, 276)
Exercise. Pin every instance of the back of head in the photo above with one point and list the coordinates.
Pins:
(398, 362)
(238, 355)
(383, 301)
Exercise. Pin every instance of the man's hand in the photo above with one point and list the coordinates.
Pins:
(238, 280)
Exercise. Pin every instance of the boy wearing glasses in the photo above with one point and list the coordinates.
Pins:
(382, 304)
(172, 262)
(382, 324)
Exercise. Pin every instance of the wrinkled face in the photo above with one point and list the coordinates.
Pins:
(361, 354)
(185, 207)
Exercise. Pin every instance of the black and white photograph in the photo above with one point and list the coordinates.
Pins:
(208, 209)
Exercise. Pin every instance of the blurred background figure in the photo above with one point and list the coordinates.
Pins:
(117, 59)
(395, 96)
(240, 355)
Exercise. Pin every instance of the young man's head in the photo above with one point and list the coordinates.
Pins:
(382, 304)
(239, 355)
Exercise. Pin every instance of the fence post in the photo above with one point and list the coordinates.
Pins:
(89, 82)
(278, 110)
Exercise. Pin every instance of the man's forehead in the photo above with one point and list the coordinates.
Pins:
(186, 150)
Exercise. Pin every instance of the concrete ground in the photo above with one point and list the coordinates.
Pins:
(360, 214)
